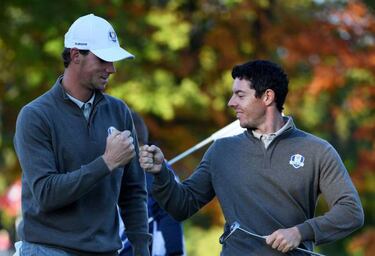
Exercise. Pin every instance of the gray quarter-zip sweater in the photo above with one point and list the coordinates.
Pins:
(69, 196)
(265, 189)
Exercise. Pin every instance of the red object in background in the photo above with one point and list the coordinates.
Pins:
(10, 202)
(4, 240)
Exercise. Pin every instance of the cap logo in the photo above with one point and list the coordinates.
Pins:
(112, 36)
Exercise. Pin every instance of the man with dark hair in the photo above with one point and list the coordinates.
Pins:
(268, 179)
(74, 174)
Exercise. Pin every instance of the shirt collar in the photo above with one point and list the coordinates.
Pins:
(81, 103)
(288, 124)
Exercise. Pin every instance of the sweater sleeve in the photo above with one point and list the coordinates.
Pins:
(182, 200)
(345, 210)
(52, 188)
(133, 203)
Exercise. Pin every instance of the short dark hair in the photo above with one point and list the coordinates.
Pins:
(264, 75)
(66, 55)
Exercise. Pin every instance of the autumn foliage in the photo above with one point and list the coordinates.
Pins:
(180, 79)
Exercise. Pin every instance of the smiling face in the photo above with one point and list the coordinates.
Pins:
(250, 110)
(94, 72)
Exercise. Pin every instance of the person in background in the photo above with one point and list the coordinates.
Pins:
(167, 233)
(268, 179)
(73, 174)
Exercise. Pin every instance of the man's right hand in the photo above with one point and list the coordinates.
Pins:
(151, 158)
(119, 149)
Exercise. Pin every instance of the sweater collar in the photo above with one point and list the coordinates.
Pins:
(81, 103)
(288, 126)
(59, 91)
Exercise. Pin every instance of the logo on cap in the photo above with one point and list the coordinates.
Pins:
(112, 36)
(297, 161)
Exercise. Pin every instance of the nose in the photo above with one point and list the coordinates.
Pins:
(110, 68)
(231, 102)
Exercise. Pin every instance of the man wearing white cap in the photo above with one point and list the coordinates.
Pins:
(74, 173)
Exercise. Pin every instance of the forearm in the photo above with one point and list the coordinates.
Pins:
(182, 200)
(346, 213)
(56, 190)
(342, 219)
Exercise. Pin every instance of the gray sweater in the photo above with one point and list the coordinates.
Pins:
(268, 189)
(69, 196)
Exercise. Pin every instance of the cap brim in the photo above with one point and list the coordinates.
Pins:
(112, 54)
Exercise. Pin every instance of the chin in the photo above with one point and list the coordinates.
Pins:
(100, 87)
(243, 124)
(247, 125)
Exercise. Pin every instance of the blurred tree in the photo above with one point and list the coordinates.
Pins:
(180, 80)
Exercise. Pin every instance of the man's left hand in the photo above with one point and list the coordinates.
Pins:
(284, 240)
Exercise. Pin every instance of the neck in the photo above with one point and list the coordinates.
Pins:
(73, 87)
(272, 123)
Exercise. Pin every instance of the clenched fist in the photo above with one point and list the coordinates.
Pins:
(119, 149)
(151, 158)
(284, 240)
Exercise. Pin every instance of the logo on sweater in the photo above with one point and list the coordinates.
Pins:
(297, 161)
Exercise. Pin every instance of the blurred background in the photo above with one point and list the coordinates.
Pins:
(180, 82)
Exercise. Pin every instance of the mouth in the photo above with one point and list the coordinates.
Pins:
(104, 79)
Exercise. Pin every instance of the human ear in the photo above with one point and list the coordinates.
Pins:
(74, 55)
(269, 97)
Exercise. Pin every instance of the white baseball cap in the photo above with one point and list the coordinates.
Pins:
(93, 33)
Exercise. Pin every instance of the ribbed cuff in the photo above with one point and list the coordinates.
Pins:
(307, 233)
(140, 243)
(162, 176)
(96, 169)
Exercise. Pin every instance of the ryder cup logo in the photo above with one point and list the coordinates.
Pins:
(297, 161)
(112, 36)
